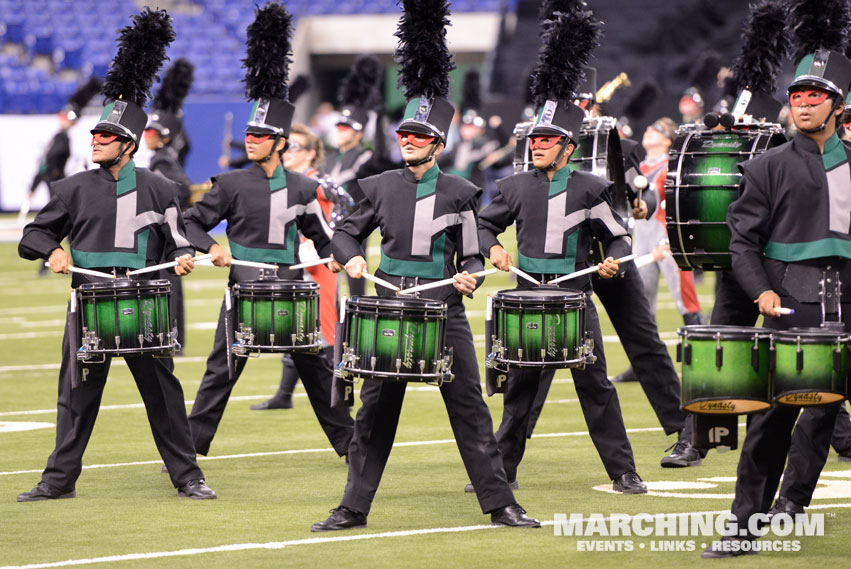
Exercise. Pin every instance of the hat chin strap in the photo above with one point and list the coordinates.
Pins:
(425, 160)
(272, 151)
(818, 129)
(117, 159)
(554, 164)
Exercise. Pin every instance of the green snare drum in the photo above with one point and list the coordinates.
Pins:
(810, 366)
(725, 369)
(276, 316)
(123, 318)
(540, 327)
(395, 339)
(703, 180)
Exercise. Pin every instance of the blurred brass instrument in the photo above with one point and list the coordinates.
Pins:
(605, 92)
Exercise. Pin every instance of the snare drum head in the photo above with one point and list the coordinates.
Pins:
(396, 303)
(708, 332)
(810, 336)
(124, 285)
(539, 294)
(275, 285)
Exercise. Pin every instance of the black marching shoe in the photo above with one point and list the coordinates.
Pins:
(44, 492)
(628, 375)
(783, 505)
(197, 490)
(729, 546)
(629, 483)
(514, 516)
(276, 402)
(341, 518)
(844, 456)
(683, 455)
(469, 488)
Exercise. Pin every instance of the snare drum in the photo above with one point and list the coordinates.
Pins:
(125, 317)
(725, 369)
(703, 180)
(395, 339)
(540, 327)
(810, 366)
(276, 316)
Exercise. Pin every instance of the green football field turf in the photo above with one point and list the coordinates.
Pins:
(275, 473)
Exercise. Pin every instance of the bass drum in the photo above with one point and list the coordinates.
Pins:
(703, 180)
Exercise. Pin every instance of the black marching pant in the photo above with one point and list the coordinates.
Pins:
(770, 436)
(378, 418)
(215, 389)
(597, 397)
(77, 410)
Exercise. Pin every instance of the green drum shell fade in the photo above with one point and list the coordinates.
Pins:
(539, 328)
(281, 315)
(818, 382)
(734, 388)
(703, 178)
(385, 332)
(119, 313)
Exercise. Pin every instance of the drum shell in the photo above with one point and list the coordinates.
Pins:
(736, 386)
(382, 332)
(542, 328)
(127, 317)
(818, 381)
(277, 316)
(702, 182)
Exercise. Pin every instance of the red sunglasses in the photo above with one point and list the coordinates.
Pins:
(810, 97)
(257, 138)
(415, 138)
(103, 137)
(544, 142)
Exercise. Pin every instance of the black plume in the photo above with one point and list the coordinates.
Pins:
(568, 40)
(817, 24)
(175, 86)
(471, 92)
(642, 100)
(764, 46)
(550, 7)
(141, 53)
(423, 58)
(358, 88)
(299, 86)
(84, 94)
(268, 53)
(706, 73)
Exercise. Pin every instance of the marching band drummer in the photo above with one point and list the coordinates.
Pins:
(790, 226)
(265, 206)
(427, 221)
(557, 212)
(117, 216)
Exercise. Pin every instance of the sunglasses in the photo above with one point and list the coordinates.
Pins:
(810, 97)
(415, 138)
(544, 142)
(103, 137)
(296, 147)
(257, 138)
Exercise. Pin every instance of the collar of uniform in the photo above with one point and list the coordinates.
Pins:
(559, 182)
(834, 153)
(126, 179)
(278, 181)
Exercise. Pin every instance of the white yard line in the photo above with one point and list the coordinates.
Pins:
(328, 539)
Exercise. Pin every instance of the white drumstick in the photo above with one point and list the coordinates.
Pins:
(525, 275)
(253, 264)
(311, 263)
(379, 281)
(444, 282)
(161, 266)
(646, 259)
(781, 311)
(89, 272)
(589, 270)
(343, 303)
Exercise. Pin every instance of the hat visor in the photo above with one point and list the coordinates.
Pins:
(350, 122)
(257, 129)
(814, 82)
(418, 128)
(545, 130)
(104, 126)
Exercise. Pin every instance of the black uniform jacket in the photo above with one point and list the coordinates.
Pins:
(166, 162)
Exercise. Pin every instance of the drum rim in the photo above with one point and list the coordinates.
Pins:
(562, 294)
(810, 336)
(279, 285)
(413, 303)
(709, 331)
(124, 284)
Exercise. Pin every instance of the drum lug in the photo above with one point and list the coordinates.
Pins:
(141, 339)
(272, 338)
(679, 352)
(687, 354)
(543, 354)
(372, 363)
(398, 365)
(719, 352)
(755, 357)
(799, 357)
(520, 354)
(118, 342)
(422, 366)
(837, 359)
(772, 356)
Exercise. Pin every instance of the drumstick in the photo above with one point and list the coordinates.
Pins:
(525, 275)
(781, 311)
(89, 272)
(312, 263)
(253, 264)
(379, 281)
(444, 282)
(646, 259)
(168, 265)
(589, 270)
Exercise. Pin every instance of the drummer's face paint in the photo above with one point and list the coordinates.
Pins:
(258, 146)
(153, 139)
(415, 138)
(846, 122)
(812, 97)
(543, 158)
(347, 137)
(811, 109)
(106, 147)
(544, 142)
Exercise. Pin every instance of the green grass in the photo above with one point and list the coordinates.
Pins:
(275, 497)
